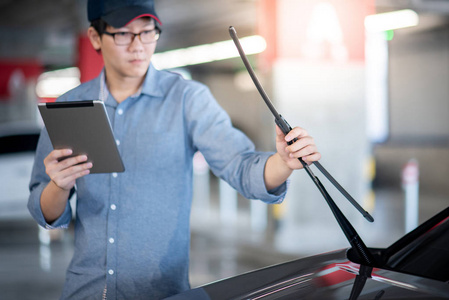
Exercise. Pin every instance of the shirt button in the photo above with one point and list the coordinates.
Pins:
(117, 142)
(114, 175)
(120, 111)
(113, 207)
(111, 272)
(111, 240)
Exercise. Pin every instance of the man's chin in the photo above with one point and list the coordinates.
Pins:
(139, 72)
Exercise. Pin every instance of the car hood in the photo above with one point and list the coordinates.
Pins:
(325, 276)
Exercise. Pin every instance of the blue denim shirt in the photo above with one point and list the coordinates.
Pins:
(132, 232)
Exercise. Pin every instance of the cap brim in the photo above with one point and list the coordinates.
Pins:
(122, 17)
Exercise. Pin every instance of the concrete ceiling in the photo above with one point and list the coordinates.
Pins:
(194, 22)
(440, 7)
(47, 29)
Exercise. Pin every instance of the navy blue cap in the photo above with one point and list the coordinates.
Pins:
(118, 13)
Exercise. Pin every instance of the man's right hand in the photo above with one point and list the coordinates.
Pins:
(63, 173)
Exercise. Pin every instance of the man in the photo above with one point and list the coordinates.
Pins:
(132, 229)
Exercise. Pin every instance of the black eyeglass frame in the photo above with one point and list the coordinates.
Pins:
(113, 34)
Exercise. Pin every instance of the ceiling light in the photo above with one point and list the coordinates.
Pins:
(55, 83)
(207, 53)
(391, 20)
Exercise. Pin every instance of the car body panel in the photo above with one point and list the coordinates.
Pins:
(412, 268)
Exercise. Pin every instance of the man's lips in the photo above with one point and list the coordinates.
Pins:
(137, 61)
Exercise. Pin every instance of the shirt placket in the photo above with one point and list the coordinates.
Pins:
(114, 206)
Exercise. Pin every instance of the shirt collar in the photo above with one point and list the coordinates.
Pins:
(152, 83)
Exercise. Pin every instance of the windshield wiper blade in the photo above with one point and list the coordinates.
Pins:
(285, 127)
(349, 231)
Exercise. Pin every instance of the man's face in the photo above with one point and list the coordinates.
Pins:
(128, 60)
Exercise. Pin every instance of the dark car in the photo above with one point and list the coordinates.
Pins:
(414, 267)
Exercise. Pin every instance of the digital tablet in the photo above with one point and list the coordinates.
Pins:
(84, 127)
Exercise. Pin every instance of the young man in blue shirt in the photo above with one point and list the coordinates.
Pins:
(132, 230)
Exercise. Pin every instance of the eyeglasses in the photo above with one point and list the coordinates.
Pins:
(126, 38)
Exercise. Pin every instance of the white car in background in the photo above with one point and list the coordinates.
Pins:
(17, 147)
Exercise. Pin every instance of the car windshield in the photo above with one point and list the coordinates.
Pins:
(427, 254)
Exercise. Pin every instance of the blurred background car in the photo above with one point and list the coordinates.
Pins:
(17, 145)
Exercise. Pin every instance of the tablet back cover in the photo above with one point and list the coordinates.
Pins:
(84, 127)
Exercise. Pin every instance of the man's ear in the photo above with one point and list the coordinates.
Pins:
(94, 38)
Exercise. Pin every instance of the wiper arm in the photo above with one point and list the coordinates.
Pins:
(359, 282)
(352, 236)
(285, 127)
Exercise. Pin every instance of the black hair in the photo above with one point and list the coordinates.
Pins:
(99, 25)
